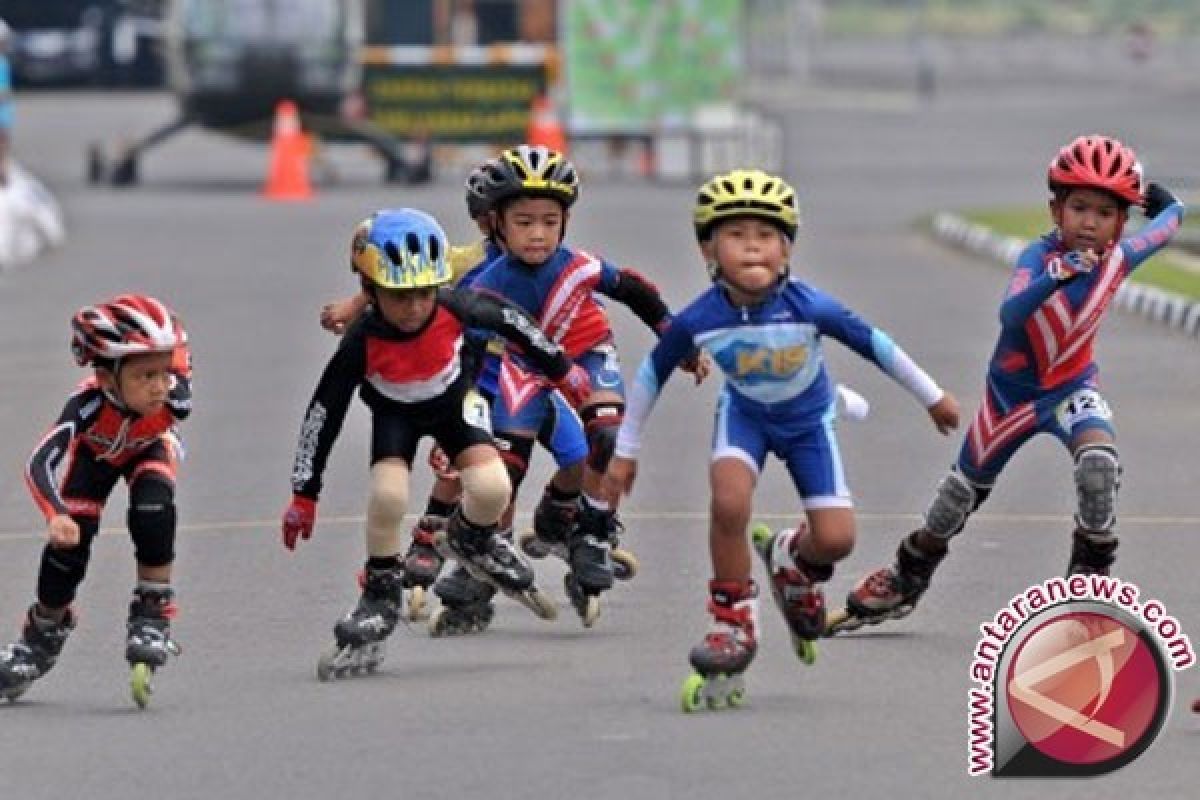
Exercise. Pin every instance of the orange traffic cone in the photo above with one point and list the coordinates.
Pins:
(287, 175)
(545, 126)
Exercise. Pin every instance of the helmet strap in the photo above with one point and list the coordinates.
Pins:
(112, 392)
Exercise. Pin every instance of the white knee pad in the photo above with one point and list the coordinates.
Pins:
(953, 502)
(486, 492)
(1097, 479)
(386, 507)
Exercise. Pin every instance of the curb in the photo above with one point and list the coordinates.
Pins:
(1156, 305)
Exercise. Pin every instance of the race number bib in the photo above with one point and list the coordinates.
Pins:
(475, 412)
(1082, 405)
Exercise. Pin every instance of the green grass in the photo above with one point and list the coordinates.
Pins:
(1165, 270)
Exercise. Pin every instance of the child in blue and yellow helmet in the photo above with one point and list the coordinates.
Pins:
(764, 330)
(405, 356)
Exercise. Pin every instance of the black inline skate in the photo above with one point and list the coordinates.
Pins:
(422, 564)
(359, 636)
(34, 654)
(148, 638)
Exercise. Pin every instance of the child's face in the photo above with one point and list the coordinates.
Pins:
(1087, 219)
(532, 228)
(406, 309)
(751, 253)
(142, 382)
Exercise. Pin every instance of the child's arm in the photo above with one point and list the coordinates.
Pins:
(322, 424)
(653, 373)
(877, 347)
(79, 412)
(1025, 293)
(1165, 212)
(642, 297)
(337, 315)
(492, 312)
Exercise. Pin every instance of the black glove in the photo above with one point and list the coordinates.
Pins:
(1158, 198)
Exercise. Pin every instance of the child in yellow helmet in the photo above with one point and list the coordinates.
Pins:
(764, 330)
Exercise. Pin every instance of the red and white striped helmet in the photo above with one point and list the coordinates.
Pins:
(128, 325)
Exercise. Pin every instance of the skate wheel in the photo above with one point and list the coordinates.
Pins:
(438, 622)
(838, 621)
(528, 543)
(806, 649)
(327, 663)
(761, 535)
(625, 564)
(11, 695)
(591, 610)
(691, 694)
(418, 604)
(541, 604)
(139, 684)
(736, 697)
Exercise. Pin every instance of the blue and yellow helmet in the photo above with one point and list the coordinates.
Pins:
(401, 248)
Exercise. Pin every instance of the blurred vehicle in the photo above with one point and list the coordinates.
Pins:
(72, 42)
(230, 63)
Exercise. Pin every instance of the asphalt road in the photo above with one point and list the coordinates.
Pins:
(534, 709)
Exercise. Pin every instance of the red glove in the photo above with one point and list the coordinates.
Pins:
(299, 520)
(576, 386)
(440, 463)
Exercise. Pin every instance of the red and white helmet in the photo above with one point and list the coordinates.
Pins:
(1098, 162)
(128, 325)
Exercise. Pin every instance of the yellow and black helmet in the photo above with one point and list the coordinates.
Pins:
(530, 171)
(401, 248)
(746, 193)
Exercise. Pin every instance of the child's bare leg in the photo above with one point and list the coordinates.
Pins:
(732, 483)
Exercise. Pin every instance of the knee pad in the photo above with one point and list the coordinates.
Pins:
(386, 507)
(151, 522)
(486, 492)
(515, 452)
(62, 571)
(956, 497)
(601, 422)
(1097, 479)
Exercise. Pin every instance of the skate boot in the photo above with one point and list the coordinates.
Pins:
(889, 592)
(726, 651)
(149, 642)
(466, 604)
(590, 560)
(625, 563)
(491, 558)
(553, 520)
(795, 585)
(1092, 553)
(359, 636)
(34, 654)
(422, 563)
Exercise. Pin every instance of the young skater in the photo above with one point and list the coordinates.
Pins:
(1042, 375)
(404, 354)
(764, 330)
(119, 423)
